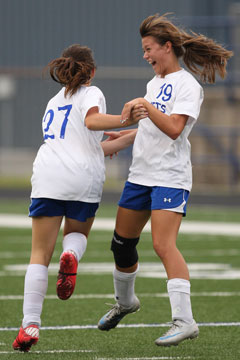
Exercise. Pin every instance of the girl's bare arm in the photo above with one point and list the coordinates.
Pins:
(118, 141)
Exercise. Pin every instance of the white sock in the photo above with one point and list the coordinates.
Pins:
(76, 242)
(179, 294)
(35, 288)
(124, 287)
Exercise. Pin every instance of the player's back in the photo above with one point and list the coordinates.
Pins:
(71, 154)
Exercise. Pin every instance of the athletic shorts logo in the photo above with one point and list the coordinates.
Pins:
(167, 200)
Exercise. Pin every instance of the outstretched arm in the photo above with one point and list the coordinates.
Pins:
(97, 121)
(171, 125)
(118, 140)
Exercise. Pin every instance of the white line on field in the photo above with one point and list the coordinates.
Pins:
(122, 326)
(187, 227)
(111, 296)
(214, 275)
(149, 358)
(147, 270)
(233, 252)
(50, 351)
(80, 351)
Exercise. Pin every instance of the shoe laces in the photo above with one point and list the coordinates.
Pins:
(116, 309)
(174, 325)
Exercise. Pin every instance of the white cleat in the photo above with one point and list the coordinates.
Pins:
(115, 315)
(179, 331)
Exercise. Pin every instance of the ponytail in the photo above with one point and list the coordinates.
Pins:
(73, 69)
(205, 53)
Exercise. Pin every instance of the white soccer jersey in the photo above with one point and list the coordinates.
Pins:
(70, 163)
(157, 159)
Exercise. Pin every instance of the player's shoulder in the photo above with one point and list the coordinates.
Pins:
(92, 90)
(186, 84)
(185, 77)
(56, 98)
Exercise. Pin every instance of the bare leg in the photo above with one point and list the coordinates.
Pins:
(165, 227)
(44, 235)
(72, 225)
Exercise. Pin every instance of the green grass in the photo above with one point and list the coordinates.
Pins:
(214, 343)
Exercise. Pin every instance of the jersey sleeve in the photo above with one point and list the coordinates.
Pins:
(189, 97)
(94, 97)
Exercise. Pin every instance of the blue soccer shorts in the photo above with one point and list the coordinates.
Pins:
(77, 210)
(141, 197)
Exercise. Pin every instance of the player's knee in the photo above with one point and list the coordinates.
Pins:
(124, 250)
(163, 250)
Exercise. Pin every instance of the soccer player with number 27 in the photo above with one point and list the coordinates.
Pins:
(67, 180)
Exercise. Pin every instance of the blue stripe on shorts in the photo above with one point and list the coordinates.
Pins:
(141, 197)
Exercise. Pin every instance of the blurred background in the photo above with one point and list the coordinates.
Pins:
(33, 32)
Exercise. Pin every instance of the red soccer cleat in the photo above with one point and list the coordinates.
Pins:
(26, 338)
(67, 275)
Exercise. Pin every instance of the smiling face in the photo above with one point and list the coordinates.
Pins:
(161, 57)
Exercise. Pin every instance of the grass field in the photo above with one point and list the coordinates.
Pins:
(69, 327)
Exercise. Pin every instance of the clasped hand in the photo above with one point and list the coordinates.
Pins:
(134, 111)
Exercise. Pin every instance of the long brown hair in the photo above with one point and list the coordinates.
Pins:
(73, 69)
(202, 55)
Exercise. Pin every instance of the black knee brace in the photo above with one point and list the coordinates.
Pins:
(124, 250)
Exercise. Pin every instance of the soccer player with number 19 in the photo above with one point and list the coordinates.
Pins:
(67, 180)
(160, 177)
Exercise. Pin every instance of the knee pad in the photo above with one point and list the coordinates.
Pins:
(124, 250)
